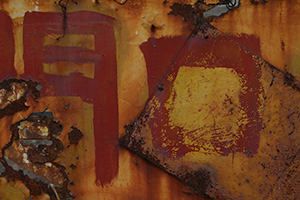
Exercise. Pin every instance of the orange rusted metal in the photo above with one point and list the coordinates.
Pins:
(206, 90)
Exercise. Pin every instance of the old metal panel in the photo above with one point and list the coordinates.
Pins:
(274, 23)
(214, 123)
(101, 89)
(137, 43)
(66, 72)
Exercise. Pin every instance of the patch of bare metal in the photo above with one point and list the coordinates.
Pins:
(220, 9)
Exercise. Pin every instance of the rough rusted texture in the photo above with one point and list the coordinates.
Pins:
(186, 11)
(45, 153)
(269, 30)
(34, 164)
(258, 1)
(75, 135)
(198, 180)
(277, 156)
(191, 13)
(14, 94)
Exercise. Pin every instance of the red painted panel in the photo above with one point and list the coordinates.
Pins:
(160, 55)
(250, 42)
(101, 90)
(217, 51)
(7, 47)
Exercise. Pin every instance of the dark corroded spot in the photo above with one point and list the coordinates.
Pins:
(2, 168)
(73, 166)
(13, 94)
(160, 87)
(188, 12)
(289, 79)
(255, 2)
(153, 28)
(30, 155)
(198, 180)
(75, 135)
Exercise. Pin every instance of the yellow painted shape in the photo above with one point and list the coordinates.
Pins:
(65, 68)
(71, 40)
(294, 68)
(205, 103)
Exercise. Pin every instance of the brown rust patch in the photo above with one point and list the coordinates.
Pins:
(73, 166)
(290, 80)
(188, 12)
(255, 2)
(192, 13)
(45, 153)
(30, 158)
(154, 28)
(198, 180)
(14, 93)
(75, 135)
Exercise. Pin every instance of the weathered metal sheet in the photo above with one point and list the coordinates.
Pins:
(213, 124)
(94, 64)
(66, 63)
(274, 23)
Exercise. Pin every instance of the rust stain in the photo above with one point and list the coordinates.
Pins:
(192, 13)
(75, 135)
(144, 32)
(30, 156)
(258, 1)
(14, 94)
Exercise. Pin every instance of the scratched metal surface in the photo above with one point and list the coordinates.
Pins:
(91, 88)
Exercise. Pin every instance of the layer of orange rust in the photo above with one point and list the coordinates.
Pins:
(259, 159)
(137, 178)
(274, 23)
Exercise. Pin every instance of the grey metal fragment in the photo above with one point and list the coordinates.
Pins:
(2, 168)
(30, 174)
(38, 87)
(37, 142)
(218, 10)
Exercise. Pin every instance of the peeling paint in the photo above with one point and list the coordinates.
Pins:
(37, 162)
(170, 132)
(137, 43)
(14, 93)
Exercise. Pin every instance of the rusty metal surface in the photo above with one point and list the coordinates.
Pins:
(221, 116)
(219, 122)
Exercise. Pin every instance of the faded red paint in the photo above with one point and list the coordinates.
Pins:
(229, 54)
(160, 55)
(101, 91)
(250, 42)
(7, 47)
